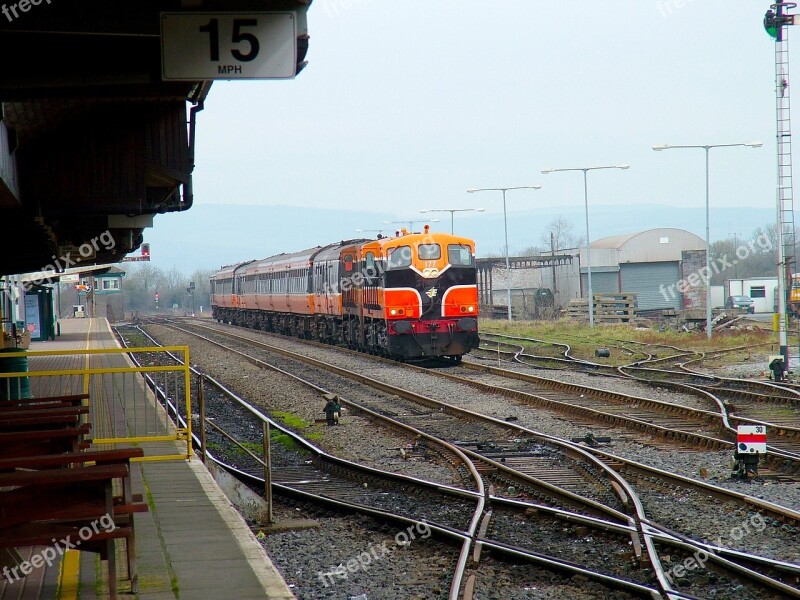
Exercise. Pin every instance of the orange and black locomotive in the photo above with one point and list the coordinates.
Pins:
(410, 296)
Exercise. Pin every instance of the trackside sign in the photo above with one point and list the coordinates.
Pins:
(751, 439)
(197, 46)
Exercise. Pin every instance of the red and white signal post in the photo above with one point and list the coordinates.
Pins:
(751, 442)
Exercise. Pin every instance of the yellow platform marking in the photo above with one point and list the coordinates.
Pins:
(71, 565)
(69, 575)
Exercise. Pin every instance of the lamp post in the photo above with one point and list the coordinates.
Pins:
(585, 170)
(410, 223)
(452, 212)
(378, 231)
(505, 225)
(707, 148)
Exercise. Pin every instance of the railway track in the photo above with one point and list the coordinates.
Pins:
(734, 401)
(323, 478)
(490, 459)
(483, 457)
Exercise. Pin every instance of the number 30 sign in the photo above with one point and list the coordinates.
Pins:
(209, 45)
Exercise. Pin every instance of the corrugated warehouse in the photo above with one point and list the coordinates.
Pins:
(653, 264)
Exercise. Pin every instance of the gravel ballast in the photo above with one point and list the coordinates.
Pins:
(684, 513)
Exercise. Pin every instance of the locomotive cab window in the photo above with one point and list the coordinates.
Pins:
(429, 251)
(459, 256)
(399, 257)
(348, 262)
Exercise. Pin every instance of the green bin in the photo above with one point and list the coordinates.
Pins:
(14, 388)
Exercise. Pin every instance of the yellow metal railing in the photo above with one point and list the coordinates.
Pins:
(147, 405)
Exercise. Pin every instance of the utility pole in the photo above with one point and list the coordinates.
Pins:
(553, 254)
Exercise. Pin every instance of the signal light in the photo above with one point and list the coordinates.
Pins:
(146, 250)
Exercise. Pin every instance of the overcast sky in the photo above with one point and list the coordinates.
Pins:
(405, 105)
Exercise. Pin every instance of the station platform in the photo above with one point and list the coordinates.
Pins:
(191, 544)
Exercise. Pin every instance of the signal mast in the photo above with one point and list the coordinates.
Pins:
(776, 22)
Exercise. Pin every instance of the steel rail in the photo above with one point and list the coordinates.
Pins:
(623, 489)
(565, 495)
(729, 420)
(781, 513)
(660, 532)
(572, 568)
(479, 496)
(592, 522)
(568, 448)
(648, 539)
(730, 565)
(630, 529)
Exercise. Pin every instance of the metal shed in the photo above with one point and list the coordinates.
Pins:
(647, 263)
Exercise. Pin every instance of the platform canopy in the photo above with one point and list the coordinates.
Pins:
(98, 105)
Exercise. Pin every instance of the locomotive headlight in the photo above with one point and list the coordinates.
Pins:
(393, 312)
(471, 309)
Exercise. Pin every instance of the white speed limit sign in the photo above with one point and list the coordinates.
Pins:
(197, 46)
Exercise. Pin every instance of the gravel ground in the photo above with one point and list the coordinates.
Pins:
(719, 523)
(705, 583)
(599, 550)
(754, 367)
(498, 580)
(703, 522)
(347, 556)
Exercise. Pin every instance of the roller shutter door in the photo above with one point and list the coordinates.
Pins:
(646, 279)
(602, 283)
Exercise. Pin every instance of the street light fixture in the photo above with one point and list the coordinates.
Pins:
(585, 170)
(505, 224)
(707, 148)
(452, 212)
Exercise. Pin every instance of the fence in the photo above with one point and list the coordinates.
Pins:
(127, 404)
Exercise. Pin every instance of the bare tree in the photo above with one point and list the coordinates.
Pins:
(563, 235)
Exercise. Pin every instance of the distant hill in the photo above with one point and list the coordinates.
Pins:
(208, 236)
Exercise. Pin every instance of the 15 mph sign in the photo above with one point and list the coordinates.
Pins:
(210, 45)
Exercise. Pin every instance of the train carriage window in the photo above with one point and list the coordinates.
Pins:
(399, 257)
(459, 256)
(370, 270)
(429, 252)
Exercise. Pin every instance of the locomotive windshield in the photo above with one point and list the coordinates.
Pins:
(459, 256)
(399, 257)
(430, 252)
